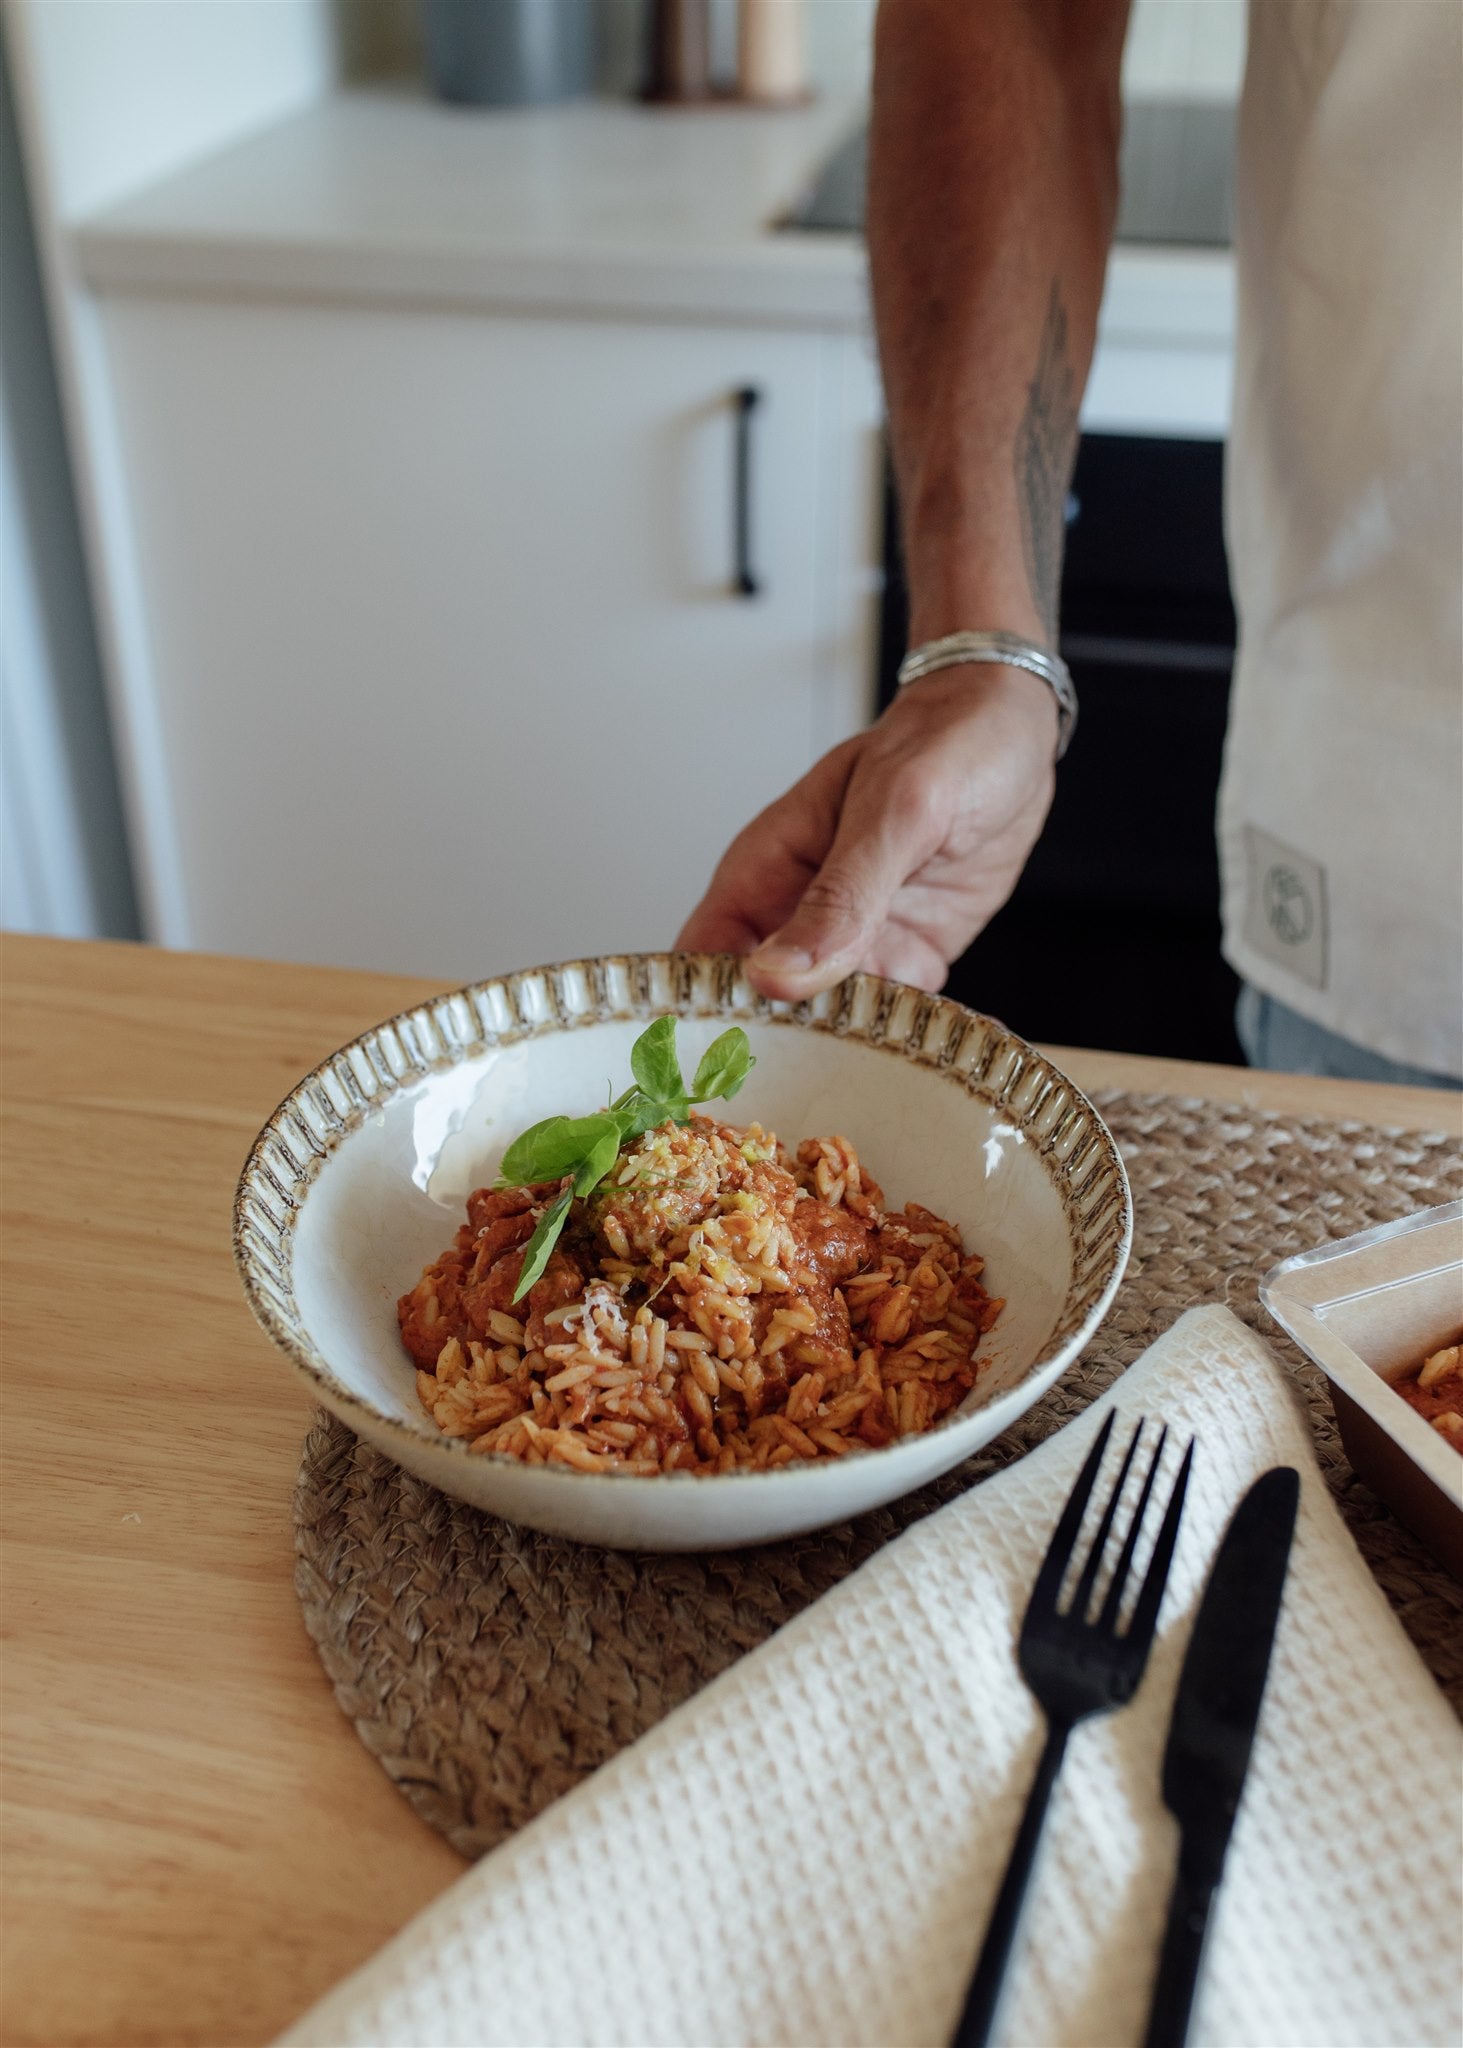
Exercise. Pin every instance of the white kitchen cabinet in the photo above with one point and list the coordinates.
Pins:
(447, 669)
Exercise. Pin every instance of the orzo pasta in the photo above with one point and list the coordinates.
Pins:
(714, 1303)
(1434, 1387)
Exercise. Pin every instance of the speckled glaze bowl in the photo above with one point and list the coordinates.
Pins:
(360, 1177)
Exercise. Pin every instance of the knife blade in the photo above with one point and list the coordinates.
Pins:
(1215, 1712)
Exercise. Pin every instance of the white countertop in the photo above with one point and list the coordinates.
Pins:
(384, 194)
(595, 204)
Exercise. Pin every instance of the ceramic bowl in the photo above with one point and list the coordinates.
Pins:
(359, 1179)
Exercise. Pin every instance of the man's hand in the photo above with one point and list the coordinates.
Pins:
(897, 847)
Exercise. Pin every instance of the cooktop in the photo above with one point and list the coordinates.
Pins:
(1177, 177)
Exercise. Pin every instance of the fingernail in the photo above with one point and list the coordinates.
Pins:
(783, 957)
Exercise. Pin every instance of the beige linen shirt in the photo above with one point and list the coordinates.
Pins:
(1341, 844)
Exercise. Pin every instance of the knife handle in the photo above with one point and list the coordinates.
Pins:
(1180, 1958)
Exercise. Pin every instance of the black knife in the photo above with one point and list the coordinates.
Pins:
(1214, 1715)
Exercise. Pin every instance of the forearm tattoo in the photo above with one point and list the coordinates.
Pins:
(1046, 444)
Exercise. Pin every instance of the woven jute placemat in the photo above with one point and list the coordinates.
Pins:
(489, 1668)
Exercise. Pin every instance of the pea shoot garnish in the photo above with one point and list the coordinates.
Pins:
(587, 1147)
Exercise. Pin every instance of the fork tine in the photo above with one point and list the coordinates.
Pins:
(1064, 1536)
(1088, 1580)
(1107, 1620)
(1150, 1598)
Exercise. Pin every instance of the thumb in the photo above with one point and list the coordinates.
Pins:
(842, 910)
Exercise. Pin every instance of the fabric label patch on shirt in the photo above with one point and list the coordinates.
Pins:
(1285, 906)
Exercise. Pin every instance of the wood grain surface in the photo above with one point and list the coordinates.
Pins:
(195, 1844)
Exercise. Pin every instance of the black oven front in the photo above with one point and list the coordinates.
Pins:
(1112, 936)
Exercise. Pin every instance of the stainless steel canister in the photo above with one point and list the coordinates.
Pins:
(509, 52)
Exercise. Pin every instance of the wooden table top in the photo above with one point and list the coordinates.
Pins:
(196, 1844)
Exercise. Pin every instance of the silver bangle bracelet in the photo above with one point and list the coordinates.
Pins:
(1009, 650)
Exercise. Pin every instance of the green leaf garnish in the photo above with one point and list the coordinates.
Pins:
(541, 1244)
(636, 1114)
(549, 1150)
(654, 1064)
(725, 1064)
(598, 1160)
(588, 1146)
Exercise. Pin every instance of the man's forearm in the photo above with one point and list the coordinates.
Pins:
(992, 196)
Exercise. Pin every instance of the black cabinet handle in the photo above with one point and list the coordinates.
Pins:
(745, 403)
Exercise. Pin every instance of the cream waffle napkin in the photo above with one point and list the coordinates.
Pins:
(806, 1852)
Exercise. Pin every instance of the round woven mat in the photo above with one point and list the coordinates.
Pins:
(490, 1668)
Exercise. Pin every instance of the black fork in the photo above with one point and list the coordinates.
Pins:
(1075, 1667)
